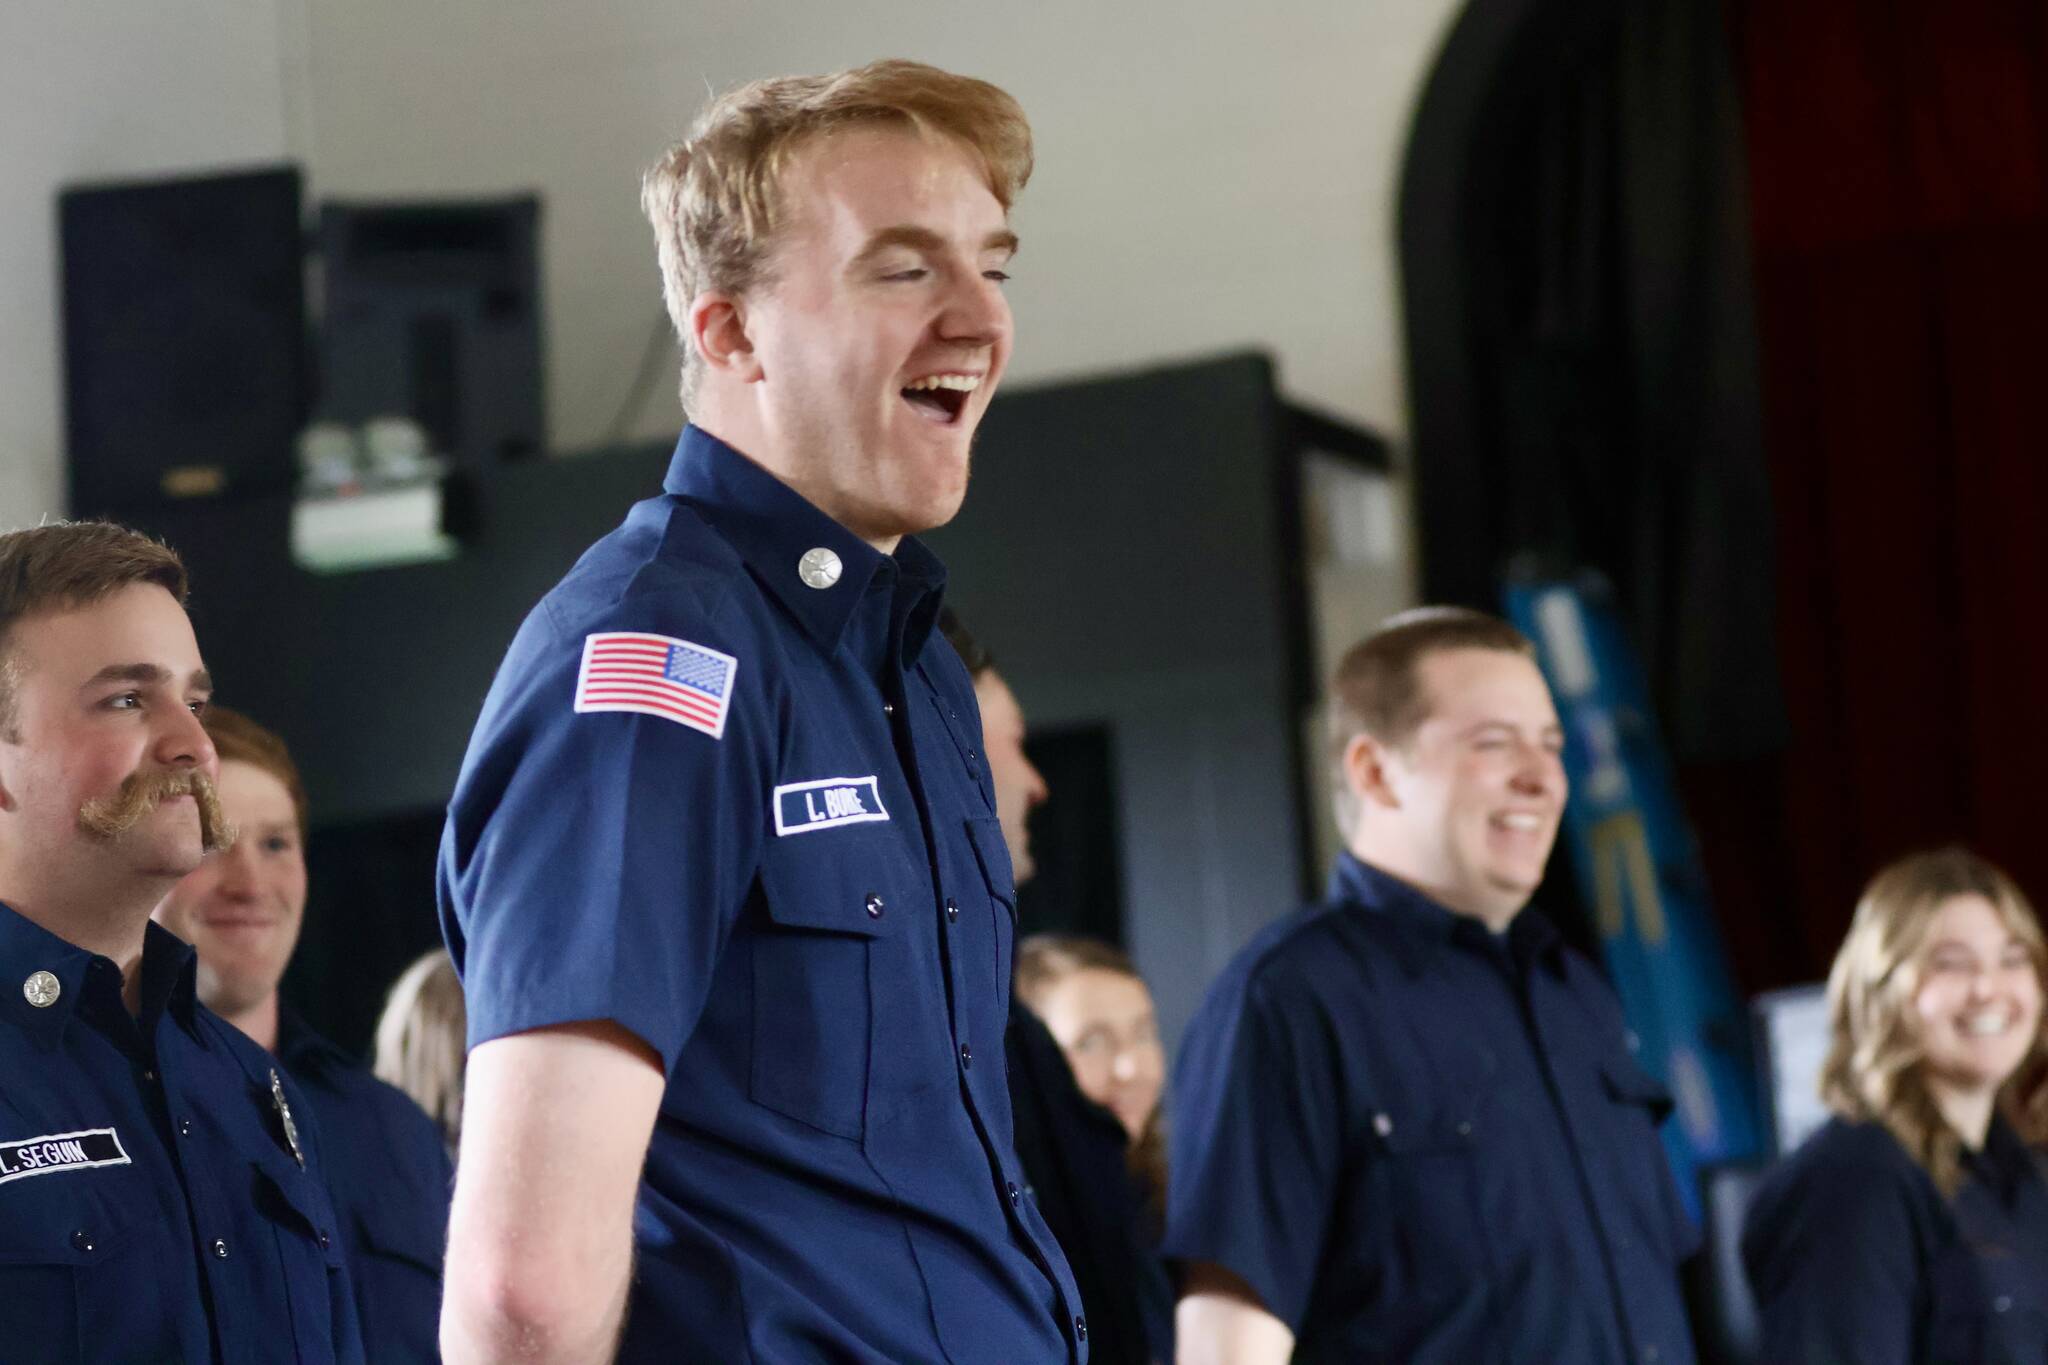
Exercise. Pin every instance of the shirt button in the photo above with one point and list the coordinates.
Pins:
(2001, 1304)
(874, 904)
(220, 1248)
(966, 1055)
(82, 1240)
(1651, 1355)
(149, 1076)
(888, 708)
(184, 1128)
(1016, 1195)
(1081, 1327)
(1464, 1128)
(952, 911)
(41, 989)
(323, 1241)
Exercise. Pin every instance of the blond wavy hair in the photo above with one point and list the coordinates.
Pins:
(423, 1040)
(715, 198)
(1874, 1071)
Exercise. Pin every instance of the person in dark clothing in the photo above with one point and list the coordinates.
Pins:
(387, 1169)
(1097, 1009)
(1406, 1123)
(1072, 1148)
(158, 1199)
(1912, 1228)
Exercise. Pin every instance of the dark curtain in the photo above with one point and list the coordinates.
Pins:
(1900, 205)
(1583, 375)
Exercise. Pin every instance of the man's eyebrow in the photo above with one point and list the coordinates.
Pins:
(134, 673)
(149, 675)
(924, 239)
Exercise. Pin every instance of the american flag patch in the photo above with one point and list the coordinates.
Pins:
(656, 675)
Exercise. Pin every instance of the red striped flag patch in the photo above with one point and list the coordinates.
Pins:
(656, 675)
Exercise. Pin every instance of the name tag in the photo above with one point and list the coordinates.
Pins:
(801, 807)
(60, 1152)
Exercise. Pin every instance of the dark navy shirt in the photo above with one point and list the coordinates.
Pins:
(1421, 1142)
(1857, 1259)
(152, 1207)
(389, 1174)
(788, 880)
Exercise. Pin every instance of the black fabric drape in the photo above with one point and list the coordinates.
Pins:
(1583, 374)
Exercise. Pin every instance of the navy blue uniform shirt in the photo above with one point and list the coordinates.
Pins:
(784, 873)
(1856, 1259)
(1420, 1142)
(153, 1207)
(389, 1174)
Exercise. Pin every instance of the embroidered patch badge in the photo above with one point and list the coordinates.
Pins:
(801, 807)
(60, 1152)
(656, 675)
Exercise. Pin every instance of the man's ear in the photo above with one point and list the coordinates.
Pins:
(718, 329)
(1365, 773)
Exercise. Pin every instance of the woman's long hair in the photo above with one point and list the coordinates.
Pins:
(1043, 960)
(1874, 1069)
(422, 1041)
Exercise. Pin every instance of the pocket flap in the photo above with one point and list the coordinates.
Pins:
(406, 1234)
(1628, 1083)
(831, 881)
(296, 1197)
(46, 1221)
(1414, 1131)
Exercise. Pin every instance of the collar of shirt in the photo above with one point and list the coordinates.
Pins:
(303, 1051)
(169, 979)
(2003, 1162)
(1426, 927)
(772, 527)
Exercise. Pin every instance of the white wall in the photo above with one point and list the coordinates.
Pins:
(1209, 177)
(95, 90)
(1211, 174)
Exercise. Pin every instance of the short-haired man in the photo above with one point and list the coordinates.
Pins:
(388, 1172)
(1072, 1149)
(158, 1200)
(723, 866)
(1407, 1123)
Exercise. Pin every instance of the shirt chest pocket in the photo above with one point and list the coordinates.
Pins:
(1426, 1202)
(91, 1269)
(825, 939)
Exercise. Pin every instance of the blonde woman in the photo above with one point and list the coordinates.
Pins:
(1086, 1103)
(1912, 1229)
(422, 1041)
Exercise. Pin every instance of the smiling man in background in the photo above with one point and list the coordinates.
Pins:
(388, 1172)
(1407, 1125)
(723, 872)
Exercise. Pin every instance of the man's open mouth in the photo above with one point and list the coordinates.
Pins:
(941, 397)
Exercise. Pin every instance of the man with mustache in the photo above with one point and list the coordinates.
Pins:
(389, 1172)
(723, 871)
(159, 1199)
(1407, 1125)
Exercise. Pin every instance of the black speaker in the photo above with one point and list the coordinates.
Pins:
(432, 311)
(184, 337)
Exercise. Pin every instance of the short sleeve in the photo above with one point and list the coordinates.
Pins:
(594, 861)
(1834, 1258)
(1257, 1141)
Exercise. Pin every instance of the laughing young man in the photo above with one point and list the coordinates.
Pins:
(1407, 1126)
(723, 870)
